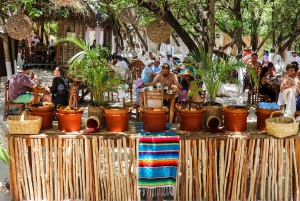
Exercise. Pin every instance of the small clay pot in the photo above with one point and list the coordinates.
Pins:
(191, 121)
(262, 115)
(47, 118)
(117, 122)
(69, 122)
(236, 109)
(154, 122)
(235, 122)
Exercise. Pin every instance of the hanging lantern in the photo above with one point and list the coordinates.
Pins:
(19, 26)
(64, 2)
(158, 31)
(128, 15)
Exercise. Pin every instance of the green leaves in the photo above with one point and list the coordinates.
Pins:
(4, 155)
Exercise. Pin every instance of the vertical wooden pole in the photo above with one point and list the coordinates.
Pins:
(59, 29)
(297, 154)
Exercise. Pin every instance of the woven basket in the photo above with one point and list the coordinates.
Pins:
(158, 31)
(128, 15)
(19, 26)
(24, 124)
(281, 126)
(64, 2)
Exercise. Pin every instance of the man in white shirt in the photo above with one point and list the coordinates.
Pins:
(168, 60)
(120, 66)
(294, 57)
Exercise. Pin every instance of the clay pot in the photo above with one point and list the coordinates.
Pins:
(236, 109)
(155, 122)
(191, 121)
(262, 115)
(117, 122)
(40, 108)
(216, 111)
(98, 112)
(47, 118)
(235, 122)
(69, 122)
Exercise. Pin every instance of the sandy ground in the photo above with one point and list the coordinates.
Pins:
(47, 75)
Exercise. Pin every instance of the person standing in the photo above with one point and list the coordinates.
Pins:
(20, 83)
(168, 60)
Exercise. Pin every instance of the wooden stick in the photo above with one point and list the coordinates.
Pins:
(280, 169)
(222, 170)
(51, 168)
(235, 171)
(240, 167)
(23, 155)
(260, 168)
(190, 171)
(227, 166)
(195, 167)
(56, 170)
(41, 163)
(204, 166)
(231, 168)
(287, 166)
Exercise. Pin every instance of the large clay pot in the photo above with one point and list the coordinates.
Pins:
(262, 115)
(191, 121)
(69, 122)
(155, 122)
(47, 118)
(235, 122)
(117, 122)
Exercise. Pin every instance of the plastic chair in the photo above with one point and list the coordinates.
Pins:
(8, 103)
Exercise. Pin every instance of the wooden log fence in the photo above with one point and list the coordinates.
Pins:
(104, 167)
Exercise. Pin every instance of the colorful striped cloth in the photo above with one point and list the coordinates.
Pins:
(158, 160)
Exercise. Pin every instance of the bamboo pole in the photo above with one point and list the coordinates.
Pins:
(231, 168)
(127, 174)
(83, 171)
(262, 148)
(190, 171)
(222, 170)
(195, 166)
(47, 178)
(210, 169)
(240, 167)
(34, 176)
(280, 169)
(56, 170)
(41, 163)
(204, 176)
(51, 156)
(227, 166)
(287, 164)
(200, 167)
(296, 176)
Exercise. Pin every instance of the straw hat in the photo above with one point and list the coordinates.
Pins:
(247, 48)
(187, 72)
(285, 93)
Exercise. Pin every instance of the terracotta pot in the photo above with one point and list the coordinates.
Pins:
(262, 115)
(154, 111)
(155, 122)
(39, 108)
(69, 122)
(235, 122)
(47, 118)
(117, 122)
(236, 109)
(115, 110)
(191, 121)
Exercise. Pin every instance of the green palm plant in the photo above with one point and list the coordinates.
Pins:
(91, 65)
(214, 72)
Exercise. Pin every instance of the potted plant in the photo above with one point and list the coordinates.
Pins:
(212, 73)
(90, 65)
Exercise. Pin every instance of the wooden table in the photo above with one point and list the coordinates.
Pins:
(36, 91)
(229, 166)
(167, 96)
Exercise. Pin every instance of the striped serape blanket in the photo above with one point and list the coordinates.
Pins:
(158, 160)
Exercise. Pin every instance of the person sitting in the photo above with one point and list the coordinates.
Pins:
(19, 84)
(166, 78)
(59, 91)
(188, 76)
(182, 90)
(147, 72)
(265, 84)
(120, 66)
(156, 68)
(139, 86)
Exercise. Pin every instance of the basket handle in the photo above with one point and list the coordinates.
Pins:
(282, 112)
(23, 115)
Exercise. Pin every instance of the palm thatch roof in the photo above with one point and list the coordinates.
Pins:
(81, 12)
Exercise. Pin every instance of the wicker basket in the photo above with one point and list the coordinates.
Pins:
(281, 126)
(24, 124)
(19, 26)
(158, 31)
(128, 15)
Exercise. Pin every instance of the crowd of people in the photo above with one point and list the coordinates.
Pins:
(273, 85)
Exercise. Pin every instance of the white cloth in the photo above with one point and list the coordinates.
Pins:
(120, 67)
(280, 99)
(290, 104)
